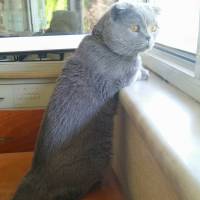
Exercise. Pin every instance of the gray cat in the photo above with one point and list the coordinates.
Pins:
(75, 144)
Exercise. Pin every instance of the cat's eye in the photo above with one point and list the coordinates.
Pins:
(135, 28)
(154, 28)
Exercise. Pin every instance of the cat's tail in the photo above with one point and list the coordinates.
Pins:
(31, 188)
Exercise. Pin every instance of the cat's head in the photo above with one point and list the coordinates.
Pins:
(128, 28)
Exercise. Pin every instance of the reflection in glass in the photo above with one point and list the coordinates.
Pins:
(49, 17)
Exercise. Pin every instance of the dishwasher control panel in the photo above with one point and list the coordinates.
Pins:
(25, 95)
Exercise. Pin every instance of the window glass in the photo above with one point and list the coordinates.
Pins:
(179, 23)
(49, 17)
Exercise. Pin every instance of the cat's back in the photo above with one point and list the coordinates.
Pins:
(93, 51)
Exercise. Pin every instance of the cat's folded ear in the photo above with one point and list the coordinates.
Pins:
(119, 10)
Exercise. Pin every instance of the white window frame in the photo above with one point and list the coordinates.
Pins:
(197, 69)
(39, 43)
(172, 70)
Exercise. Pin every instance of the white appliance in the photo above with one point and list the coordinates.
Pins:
(28, 84)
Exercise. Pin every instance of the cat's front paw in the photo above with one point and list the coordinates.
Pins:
(144, 74)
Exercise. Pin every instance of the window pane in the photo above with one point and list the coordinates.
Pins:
(179, 23)
(49, 17)
(94, 9)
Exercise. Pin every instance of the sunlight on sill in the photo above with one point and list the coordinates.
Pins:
(169, 124)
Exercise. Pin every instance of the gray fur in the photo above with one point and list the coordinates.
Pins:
(75, 144)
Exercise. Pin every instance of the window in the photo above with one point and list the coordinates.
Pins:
(179, 24)
(176, 56)
(66, 21)
(49, 17)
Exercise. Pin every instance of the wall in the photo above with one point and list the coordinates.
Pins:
(139, 173)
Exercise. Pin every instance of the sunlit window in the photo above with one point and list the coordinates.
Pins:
(49, 17)
(179, 23)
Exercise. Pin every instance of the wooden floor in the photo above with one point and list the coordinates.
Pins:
(13, 167)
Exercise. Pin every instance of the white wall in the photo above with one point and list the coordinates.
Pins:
(139, 173)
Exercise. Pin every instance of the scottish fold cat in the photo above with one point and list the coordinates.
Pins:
(74, 147)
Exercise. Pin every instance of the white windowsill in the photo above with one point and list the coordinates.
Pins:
(170, 125)
(40, 43)
(176, 74)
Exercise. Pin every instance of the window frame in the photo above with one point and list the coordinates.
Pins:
(170, 64)
(40, 43)
(197, 68)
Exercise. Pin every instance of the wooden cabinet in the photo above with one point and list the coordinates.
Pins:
(19, 129)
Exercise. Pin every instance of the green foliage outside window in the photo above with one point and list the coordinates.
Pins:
(92, 10)
(52, 5)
